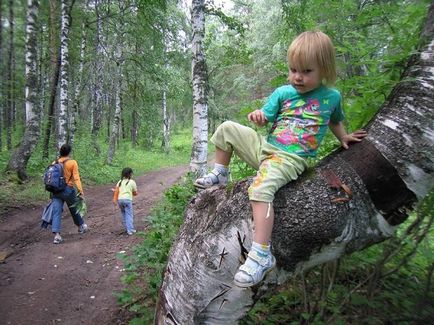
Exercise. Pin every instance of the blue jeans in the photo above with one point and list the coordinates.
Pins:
(126, 207)
(68, 195)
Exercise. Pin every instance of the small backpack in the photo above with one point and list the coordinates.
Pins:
(54, 179)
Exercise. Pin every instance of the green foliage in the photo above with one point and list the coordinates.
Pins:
(144, 267)
(240, 170)
(80, 205)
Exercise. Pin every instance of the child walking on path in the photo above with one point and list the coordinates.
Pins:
(125, 189)
(300, 114)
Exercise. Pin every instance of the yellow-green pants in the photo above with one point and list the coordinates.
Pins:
(275, 167)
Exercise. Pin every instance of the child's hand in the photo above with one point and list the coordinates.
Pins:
(356, 136)
(257, 117)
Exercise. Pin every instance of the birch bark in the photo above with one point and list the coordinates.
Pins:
(353, 199)
(77, 89)
(21, 155)
(62, 125)
(135, 116)
(198, 161)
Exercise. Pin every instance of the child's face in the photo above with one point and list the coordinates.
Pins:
(305, 80)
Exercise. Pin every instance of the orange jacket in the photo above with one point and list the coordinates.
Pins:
(71, 174)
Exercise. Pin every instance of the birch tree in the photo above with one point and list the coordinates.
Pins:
(21, 155)
(55, 71)
(198, 161)
(1, 81)
(10, 78)
(166, 122)
(78, 85)
(166, 119)
(353, 199)
(62, 125)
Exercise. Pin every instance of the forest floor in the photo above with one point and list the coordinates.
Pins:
(73, 282)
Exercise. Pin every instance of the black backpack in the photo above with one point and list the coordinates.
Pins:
(54, 179)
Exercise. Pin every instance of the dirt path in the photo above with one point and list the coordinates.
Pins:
(71, 283)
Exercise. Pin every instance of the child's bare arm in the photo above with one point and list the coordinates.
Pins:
(342, 135)
(257, 117)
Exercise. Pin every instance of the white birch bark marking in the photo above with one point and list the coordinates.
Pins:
(62, 128)
(200, 108)
(78, 85)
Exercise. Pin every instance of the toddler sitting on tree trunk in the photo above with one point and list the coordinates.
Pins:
(300, 114)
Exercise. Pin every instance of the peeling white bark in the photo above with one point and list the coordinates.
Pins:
(199, 150)
(62, 125)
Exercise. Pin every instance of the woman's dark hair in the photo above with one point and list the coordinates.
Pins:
(65, 150)
(127, 172)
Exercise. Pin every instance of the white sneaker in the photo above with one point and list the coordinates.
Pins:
(254, 270)
(132, 232)
(83, 228)
(57, 239)
(211, 179)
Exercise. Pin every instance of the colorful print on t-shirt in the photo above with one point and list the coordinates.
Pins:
(300, 120)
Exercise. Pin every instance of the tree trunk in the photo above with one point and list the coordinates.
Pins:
(21, 155)
(97, 93)
(62, 125)
(1, 80)
(10, 78)
(78, 85)
(114, 135)
(55, 71)
(134, 114)
(119, 56)
(166, 121)
(134, 128)
(351, 200)
(42, 72)
(200, 108)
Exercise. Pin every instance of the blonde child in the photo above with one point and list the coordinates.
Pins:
(300, 114)
(125, 189)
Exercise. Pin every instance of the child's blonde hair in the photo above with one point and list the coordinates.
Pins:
(314, 46)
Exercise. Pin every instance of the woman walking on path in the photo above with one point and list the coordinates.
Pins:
(71, 195)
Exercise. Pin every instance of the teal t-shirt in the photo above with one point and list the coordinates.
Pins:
(300, 120)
